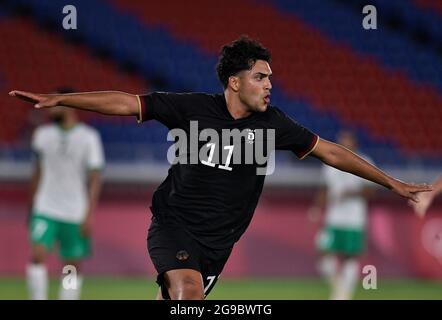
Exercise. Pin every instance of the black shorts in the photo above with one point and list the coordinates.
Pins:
(172, 247)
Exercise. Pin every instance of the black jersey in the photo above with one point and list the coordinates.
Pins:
(208, 193)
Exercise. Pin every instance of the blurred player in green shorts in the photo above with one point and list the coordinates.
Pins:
(342, 239)
(65, 186)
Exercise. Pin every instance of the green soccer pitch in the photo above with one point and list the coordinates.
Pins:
(246, 289)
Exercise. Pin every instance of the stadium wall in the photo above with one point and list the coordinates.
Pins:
(279, 242)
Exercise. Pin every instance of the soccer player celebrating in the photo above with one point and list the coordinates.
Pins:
(203, 207)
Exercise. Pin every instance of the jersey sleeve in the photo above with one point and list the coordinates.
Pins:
(292, 136)
(95, 157)
(168, 108)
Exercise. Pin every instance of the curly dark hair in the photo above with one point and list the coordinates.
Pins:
(239, 55)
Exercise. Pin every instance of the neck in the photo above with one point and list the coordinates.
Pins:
(68, 123)
(236, 108)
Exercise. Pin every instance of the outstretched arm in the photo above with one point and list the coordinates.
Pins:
(94, 186)
(105, 102)
(343, 159)
(318, 207)
(35, 180)
(426, 198)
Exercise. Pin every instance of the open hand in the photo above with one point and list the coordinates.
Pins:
(39, 100)
(410, 190)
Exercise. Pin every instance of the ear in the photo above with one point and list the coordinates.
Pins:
(234, 83)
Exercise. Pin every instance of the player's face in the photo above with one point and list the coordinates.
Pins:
(255, 86)
(348, 140)
(58, 114)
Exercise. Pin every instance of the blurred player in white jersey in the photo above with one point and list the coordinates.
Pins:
(65, 184)
(343, 198)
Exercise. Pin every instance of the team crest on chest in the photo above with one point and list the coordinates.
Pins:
(250, 136)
